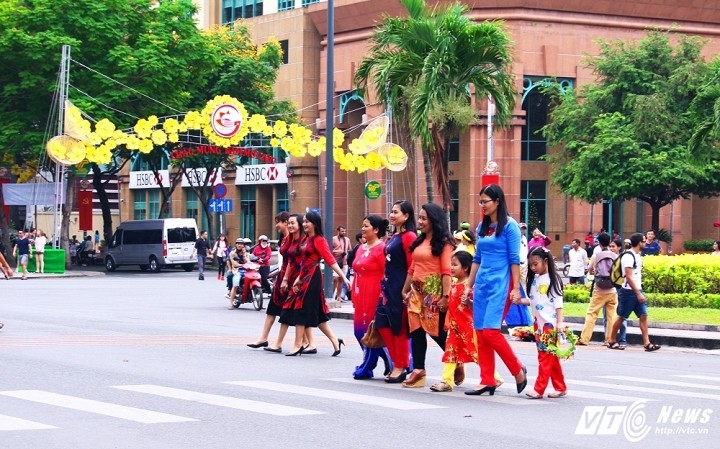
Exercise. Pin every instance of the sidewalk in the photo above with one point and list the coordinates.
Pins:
(663, 334)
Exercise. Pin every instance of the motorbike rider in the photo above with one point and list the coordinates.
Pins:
(237, 257)
(263, 253)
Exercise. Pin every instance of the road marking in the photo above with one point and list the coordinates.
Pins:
(12, 423)
(457, 394)
(638, 389)
(698, 377)
(335, 395)
(669, 383)
(221, 401)
(101, 408)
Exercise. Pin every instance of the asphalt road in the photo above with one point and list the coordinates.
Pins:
(142, 360)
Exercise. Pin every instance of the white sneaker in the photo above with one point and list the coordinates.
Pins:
(227, 296)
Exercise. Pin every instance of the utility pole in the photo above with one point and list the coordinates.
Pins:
(329, 211)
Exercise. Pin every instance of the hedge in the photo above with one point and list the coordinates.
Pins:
(672, 281)
(698, 245)
(695, 300)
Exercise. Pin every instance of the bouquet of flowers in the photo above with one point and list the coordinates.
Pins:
(523, 333)
(559, 342)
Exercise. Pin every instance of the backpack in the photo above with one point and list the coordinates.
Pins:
(617, 276)
(603, 269)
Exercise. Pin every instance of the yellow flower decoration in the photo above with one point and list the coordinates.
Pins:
(159, 137)
(104, 128)
(280, 129)
(145, 146)
(207, 126)
(171, 125)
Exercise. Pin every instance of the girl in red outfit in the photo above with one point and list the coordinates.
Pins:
(427, 287)
(460, 345)
(391, 313)
(306, 302)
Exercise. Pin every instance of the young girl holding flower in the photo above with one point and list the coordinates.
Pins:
(545, 296)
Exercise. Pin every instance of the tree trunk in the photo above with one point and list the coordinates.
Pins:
(655, 220)
(104, 202)
(429, 187)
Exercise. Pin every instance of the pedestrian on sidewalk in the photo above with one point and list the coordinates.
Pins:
(40, 242)
(391, 319)
(220, 251)
(578, 261)
(604, 295)
(202, 251)
(631, 297)
(545, 296)
(21, 252)
(427, 288)
(369, 268)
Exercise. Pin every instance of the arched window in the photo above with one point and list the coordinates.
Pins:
(535, 104)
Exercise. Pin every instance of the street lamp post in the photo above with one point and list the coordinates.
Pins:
(329, 125)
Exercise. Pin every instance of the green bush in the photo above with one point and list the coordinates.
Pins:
(672, 300)
(690, 273)
(698, 245)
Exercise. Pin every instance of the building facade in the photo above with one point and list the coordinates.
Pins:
(550, 38)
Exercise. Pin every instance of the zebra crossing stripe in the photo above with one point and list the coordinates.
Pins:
(639, 389)
(669, 383)
(91, 406)
(220, 401)
(698, 377)
(11, 423)
(336, 395)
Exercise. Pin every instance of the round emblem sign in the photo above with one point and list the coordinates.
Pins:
(373, 190)
(226, 120)
(220, 191)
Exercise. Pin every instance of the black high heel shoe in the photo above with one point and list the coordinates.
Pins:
(339, 349)
(400, 378)
(487, 388)
(521, 385)
(296, 353)
(258, 345)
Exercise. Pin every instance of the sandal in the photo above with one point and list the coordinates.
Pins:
(557, 394)
(533, 395)
(441, 387)
(616, 345)
(651, 347)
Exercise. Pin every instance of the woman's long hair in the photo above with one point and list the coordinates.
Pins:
(281, 217)
(440, 231)
(407, 208)
(379, 223)
(496, 194)
(547, 257)
(314, 218)
(298, 218)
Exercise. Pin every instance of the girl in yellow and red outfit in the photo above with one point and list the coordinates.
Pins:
(545, 296)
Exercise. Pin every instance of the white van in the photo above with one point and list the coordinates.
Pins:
(153, 244)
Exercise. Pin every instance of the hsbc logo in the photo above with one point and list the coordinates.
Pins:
(261, 174)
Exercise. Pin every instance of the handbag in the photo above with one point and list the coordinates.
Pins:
(372, 338)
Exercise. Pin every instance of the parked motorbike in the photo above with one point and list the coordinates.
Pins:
(250, 290)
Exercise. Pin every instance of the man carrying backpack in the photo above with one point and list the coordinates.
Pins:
(604, 294)
(631, 298)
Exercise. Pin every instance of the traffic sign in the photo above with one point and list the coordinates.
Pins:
(220, 205)
(220, 191)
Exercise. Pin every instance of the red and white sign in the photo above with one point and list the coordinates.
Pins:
(226, 120)
(261, 174)
(147, 180)
(197, 177)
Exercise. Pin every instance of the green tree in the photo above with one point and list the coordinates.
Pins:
(706, 110)
(626, 136)
(422, 67)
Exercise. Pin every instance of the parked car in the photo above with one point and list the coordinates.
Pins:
(153, 244)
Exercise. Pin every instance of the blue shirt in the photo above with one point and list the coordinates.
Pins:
(651, 249)
(23, 246)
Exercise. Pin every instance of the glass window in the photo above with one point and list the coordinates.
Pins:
(247, 211)
(454, 149)
(455, 197)
(281, 198)
(534, 144)
(191, 204)
(139, 204)
(180, 235)
(284, 5)
(284, 44)
(306, 3)
(241, 9)
(154, 203)
(533, 204)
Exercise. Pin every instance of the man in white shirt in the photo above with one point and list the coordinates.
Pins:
(631, 297)
(578, 260)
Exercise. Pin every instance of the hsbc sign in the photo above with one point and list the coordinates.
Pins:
(148, 180)
(261, 174)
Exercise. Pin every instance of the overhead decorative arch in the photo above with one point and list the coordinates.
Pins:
(345, 99)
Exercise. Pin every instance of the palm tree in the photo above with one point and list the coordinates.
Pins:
(706, 106)
(422, 66)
